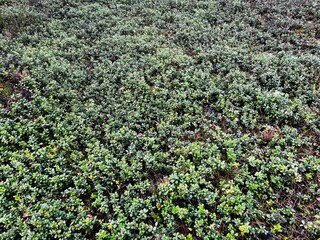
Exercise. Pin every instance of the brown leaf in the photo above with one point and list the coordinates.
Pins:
(165, 181)
(25, 214)
(8, 34)
(268, 133)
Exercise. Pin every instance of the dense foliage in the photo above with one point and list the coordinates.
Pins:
(159, 119)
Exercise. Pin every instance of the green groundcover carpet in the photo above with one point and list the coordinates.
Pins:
(160, 119)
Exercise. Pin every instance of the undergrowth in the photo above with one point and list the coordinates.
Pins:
(159, 119)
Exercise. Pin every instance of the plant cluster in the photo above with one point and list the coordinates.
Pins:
(159, 119)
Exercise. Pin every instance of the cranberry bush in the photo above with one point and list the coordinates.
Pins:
(160, 119)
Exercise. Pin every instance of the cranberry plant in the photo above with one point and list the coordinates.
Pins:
(159, 119)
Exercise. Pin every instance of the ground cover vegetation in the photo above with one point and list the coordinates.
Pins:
(159, 119)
